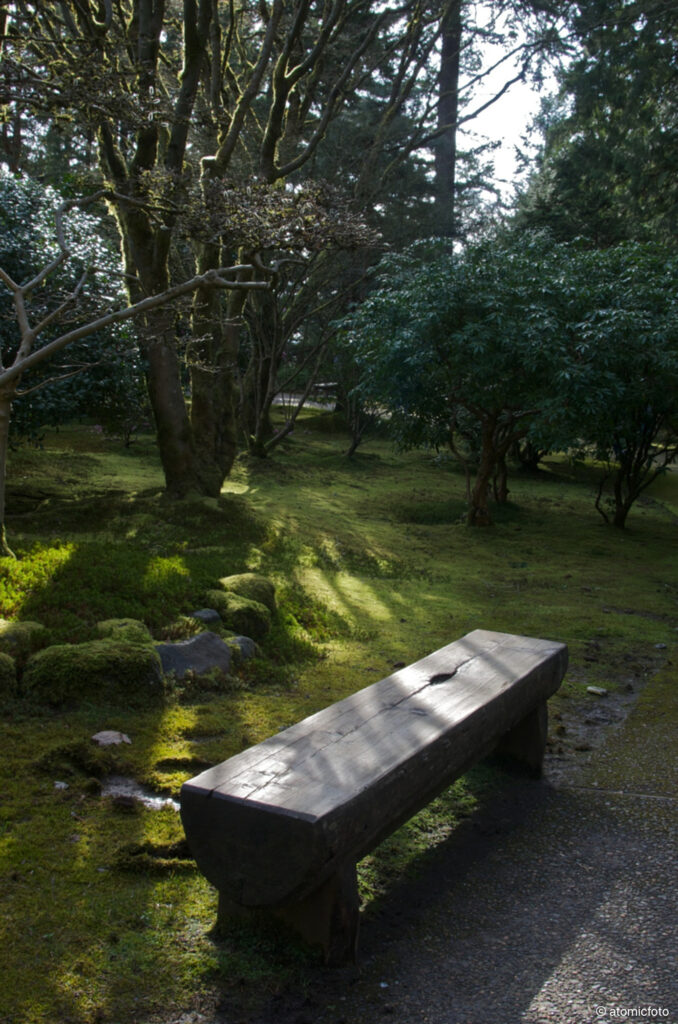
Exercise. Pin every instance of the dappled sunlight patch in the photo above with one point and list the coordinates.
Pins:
(323, 585)
(20, 579)
(160, 571)
(400, 856)
(361, 598)
(235, 487)
(168, 746)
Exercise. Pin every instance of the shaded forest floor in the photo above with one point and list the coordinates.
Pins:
(104, 918)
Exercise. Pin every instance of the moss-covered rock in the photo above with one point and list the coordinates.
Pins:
(7, 676)
(125, 629)
(105, 671)
(21, 639)
(251, 618)
(252, 586)
(82, 758)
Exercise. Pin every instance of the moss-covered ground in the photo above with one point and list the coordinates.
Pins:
(103, 917)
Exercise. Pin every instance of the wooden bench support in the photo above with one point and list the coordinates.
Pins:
(280, 827)
(526, 742)
(329, 917)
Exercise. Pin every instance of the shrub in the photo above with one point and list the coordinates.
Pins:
(252, 586)
(7, 676)
(251, 618)
(133, 630)
(21, 639)
(106, 671)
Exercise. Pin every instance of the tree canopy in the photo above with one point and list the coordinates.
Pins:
(519, 335)
(607, 170)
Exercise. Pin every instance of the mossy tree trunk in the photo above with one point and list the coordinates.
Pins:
(499, 430)
(213, 367)
(146, 225)
(6, 395)
(146, 257)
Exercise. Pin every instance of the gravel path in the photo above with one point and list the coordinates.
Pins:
(556, 905)
(550, 906)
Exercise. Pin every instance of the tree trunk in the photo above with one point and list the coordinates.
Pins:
(500, 480)
(496, 439)
(479, 513)
(175, 442)
(622, 501)
(256, 399)
(6, 396)
(448, 112)
(213, 361)
(145, 249)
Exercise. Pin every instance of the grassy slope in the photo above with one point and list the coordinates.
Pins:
(373, 567)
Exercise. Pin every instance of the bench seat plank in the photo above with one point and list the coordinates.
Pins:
(269, 825)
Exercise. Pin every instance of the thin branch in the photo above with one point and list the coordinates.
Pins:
(212, 278)
(289, 425)
(60, 377)
(68, 301)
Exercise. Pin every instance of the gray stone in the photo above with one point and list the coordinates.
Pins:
(110, 738)
(208, 616)
(248, 648)
(200, 654)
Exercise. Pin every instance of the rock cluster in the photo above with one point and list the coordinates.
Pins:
(125, 664)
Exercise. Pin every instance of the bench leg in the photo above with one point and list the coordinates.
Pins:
(329, 917)
(526, 742)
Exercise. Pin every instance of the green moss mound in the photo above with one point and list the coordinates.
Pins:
(252, 586)
(7, 676)
(82, 758)
(133, 630)
(250, 618)
(103, 671)
(21, 639)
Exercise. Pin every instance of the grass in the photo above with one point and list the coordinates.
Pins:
(104, 919)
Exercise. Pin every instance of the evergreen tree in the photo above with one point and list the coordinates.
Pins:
(608, 167)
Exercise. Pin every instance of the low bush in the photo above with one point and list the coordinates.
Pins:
(251, 618)
(105, 671)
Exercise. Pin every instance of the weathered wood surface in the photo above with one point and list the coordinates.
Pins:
(272, 825)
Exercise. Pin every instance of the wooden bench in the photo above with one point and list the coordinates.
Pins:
(282, 825)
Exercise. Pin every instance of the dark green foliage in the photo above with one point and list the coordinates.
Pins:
(460, 348)
(607, 171)
(7, 675)
(21, 639)
(520, 337)
(100, 378)
(618, 377)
